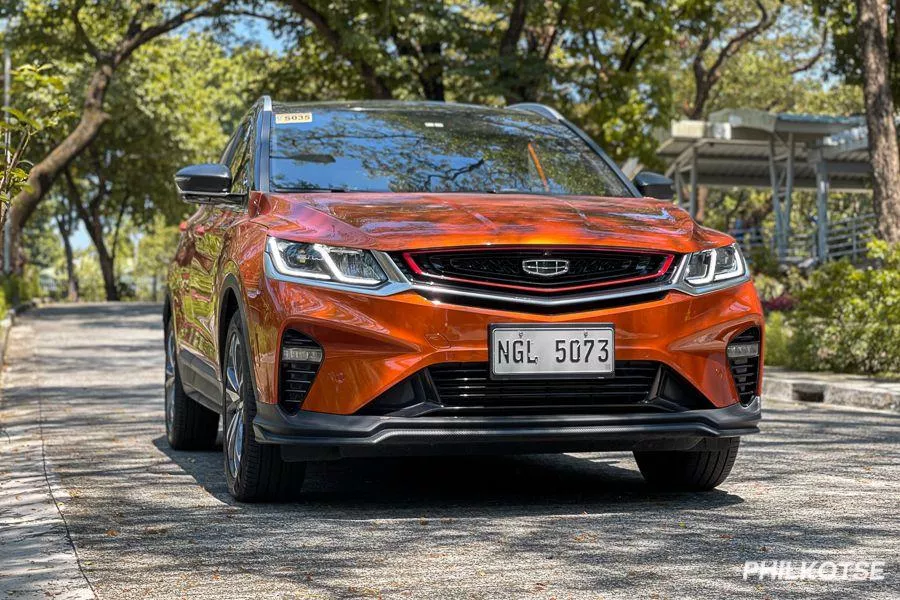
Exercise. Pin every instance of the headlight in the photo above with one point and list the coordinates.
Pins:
(326, 263)
(715, 268)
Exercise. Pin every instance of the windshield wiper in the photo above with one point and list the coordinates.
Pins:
(507, 191)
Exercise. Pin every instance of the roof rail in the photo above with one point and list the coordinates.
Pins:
(541, 109)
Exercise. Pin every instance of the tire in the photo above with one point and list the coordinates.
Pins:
(189, 426)
(254, 472)
(689, 470)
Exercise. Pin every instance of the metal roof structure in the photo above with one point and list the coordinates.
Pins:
(780, 152)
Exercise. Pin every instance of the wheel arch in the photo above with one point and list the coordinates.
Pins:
(231, 302)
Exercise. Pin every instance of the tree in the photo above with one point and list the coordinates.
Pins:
(867, 53)
(23, 124)
(431, 50)
(155, 251)
(716, 32)
(66, 220)
(174, 98)
(109, 35)
(883, 151)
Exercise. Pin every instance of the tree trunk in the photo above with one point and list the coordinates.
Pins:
(107, 261)
(72, 293)
(108, 268)
(44, 173)
(90, 216)
(510, 72)
(883, 151)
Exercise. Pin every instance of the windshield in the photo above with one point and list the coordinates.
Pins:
(430, 148)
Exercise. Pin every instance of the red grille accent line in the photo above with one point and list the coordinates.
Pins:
(410, 261)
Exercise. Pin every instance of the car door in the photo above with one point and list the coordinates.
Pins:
(208, 232)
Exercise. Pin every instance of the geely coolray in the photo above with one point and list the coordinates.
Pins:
(411, 278)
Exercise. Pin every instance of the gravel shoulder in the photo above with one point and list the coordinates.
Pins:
(820, 483)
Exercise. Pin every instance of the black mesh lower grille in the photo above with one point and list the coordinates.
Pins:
(745, 371)
(296, 377)
(467, 389)
(468, 384)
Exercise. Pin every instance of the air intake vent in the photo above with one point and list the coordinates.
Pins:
(743, 358)
(468, 384)
(466, 389)
(300, 360)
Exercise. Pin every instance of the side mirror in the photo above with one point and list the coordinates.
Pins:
(206, 184)
(654, 185)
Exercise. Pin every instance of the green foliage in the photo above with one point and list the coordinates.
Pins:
(172, 104)
(778, 340)
(767, 286)
(155, 251)
(22, 124)
(18, 289)
(90, 278)
(764, 261)
(847, 319)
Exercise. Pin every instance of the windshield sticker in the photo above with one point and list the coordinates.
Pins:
(305, 117)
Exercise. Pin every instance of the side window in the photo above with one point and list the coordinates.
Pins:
(239, 161)
(228, 152)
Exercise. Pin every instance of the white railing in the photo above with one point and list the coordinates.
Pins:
(847, 238)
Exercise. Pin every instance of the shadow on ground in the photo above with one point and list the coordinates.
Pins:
(521, 485)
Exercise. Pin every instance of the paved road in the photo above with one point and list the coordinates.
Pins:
(84, 390)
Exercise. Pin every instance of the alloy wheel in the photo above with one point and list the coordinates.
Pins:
(234, 404)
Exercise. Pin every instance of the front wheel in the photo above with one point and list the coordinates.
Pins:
(189, 426)
(254, 472)
(691, 470)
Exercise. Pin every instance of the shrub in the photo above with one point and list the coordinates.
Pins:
(16, 289)
(778, 338)
(847, 319)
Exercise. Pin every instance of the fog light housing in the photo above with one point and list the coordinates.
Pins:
(301, 357)
(293, 354)
(743, 359)
(743, 350)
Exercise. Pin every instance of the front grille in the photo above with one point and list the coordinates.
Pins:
(541, 272)
(745, 371)
(467, 389)
(296, 377)
(468, 384)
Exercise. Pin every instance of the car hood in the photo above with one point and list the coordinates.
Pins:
(413, 221)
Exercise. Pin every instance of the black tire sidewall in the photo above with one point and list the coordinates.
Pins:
(237, 483)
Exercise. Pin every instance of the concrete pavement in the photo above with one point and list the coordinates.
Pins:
(83, 396)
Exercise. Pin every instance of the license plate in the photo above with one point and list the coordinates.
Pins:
(552, 350)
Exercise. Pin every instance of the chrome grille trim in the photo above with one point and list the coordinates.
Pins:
(399, 284)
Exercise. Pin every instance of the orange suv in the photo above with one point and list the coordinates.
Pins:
(399, 278)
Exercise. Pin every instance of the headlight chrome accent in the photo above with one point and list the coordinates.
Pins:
(333, 267)
(326, 263)
(712, 269)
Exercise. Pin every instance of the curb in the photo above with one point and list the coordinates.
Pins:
(818, 388)
(7, 322)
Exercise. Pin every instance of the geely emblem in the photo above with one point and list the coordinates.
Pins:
(545, 267)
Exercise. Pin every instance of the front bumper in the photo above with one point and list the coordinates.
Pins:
(309, 435)
(371, 343)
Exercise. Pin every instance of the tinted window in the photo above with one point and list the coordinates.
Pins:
(238, 164)
(432, 149)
